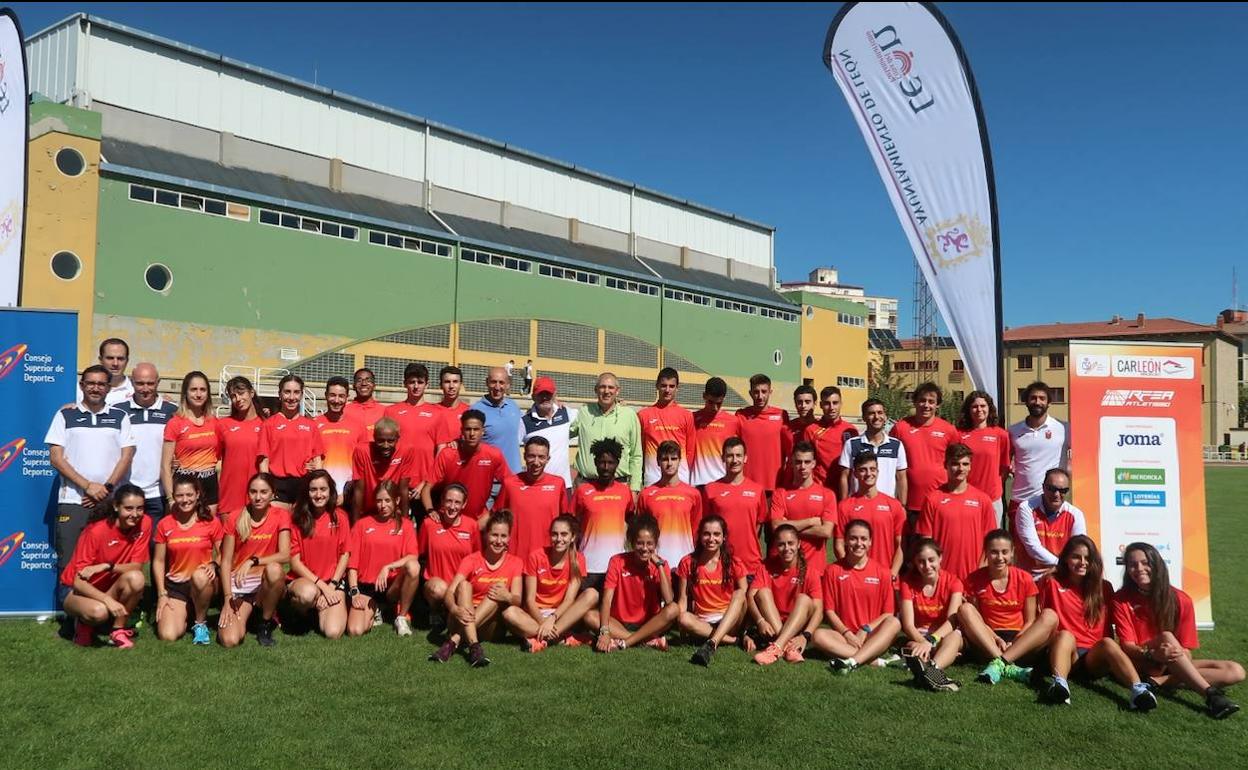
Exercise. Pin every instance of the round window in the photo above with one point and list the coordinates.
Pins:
(810, 362)
(158, 278)
(777, 356)
(66, 265)
(70, 161)
(810, 311)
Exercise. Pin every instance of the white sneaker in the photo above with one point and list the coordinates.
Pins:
(403, 626)
(377, 621)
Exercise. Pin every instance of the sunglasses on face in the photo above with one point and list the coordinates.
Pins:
(1059, 490)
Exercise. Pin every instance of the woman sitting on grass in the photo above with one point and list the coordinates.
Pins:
(320, 539)
(486, 583)
(1082, 602)
(184, 566)
(1156, 626)
(930, 599)
(553, 600)
(998, 616)
(710, 591)
(445, 540)
(637, 605)
(789, 600)
(384, 567)
(858, 604)
(106, 571)
(256, 545)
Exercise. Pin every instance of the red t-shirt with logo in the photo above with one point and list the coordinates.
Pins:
(477, 472)
(239, 442)
(1052, 535)
(925, 454)
(958, 521)
(481, 576)
(813, 502)
(885, 515)
(187, 548)
(340, 440)
(1001, 610)
(665, 423)
(637, 587)
(194, 446)
(990, 457)
(376, 543)
(603, 514)
(786, 584)
(320, 551)
(1135, 623)
(444, 547)
(290, 443)
(711, 595)
(102, 542)
(419, 425)
(263, 540)
(828, 439)
(743, 508)
(449, 427)
(678, 510)
(858, 596)
(1066, 600)
(401, 465)
(767, 443)
(552, 582)
(711, 430)
(930, 611)
(368, 413)
(533, 507)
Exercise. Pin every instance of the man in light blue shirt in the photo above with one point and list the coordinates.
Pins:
(503, 427)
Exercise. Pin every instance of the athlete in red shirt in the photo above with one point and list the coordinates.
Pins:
(858, 604)
(320, 535)
(534, 497)
(190, 445)
(637, 603)
(740, 502)
(256, 545)
(471, 463)
(603, 507)
(445, 540)
(1083, 603)
(341, 433)
(804, 398)
(828, 436)
(712, 427)
(1156, 627)
(486, 583)
(381, 460)
(925, 438)
(808, 507)
(999, 615)
(290, 444)
(184, 568)
(451, 381)
(384, 565)
(553, 600)
(787, 601)
(238, 437)
(106, 571)
(958, 516)
(764, 431)
(420, 423)
(885, 514)
(930, 598)
(980, 429)
(712, 582)
(675, 505)
(665, 420)
(364, 407)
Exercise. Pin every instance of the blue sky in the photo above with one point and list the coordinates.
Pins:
(1115, 129)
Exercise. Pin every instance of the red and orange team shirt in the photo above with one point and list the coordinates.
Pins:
(367, 413)
(678, 510)
(885, 515)
(743, 508)
(925, 454)
(448, 429)
(376, 543)
(711, 430)
(239, 446)
(797, 430)
(1052, 534)
(858, 596)
(340, 439)
(828, 439)
(930, 611)
(188, 548)
(665, 423)
(419, 425)
(958, 521)
(477, 472)
(1001, 610)
(767, 443)
(194, 446)
(290, 444)
(711, 595)
(368, 474)
(1065, 599)
(990, 457)
(786, 584)
(533, 507)
(552, 582)
(102, 542)
(637, 587)
(813, 502)
(477, 571)
(1135, 623)
(444, 546)
(321, 550)
(603, 513)
(264, 536)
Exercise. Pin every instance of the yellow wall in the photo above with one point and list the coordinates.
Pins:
(833, 349)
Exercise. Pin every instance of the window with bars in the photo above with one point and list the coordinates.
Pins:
(571, 342)
(650, 290)
(408, 243)
(849, 319)
(496, 260)
(1024, 362)
(308, 224)
(324, 366)
(622, 350)
(686, 296)
(574, 387)
(509, 336)
(633, 389)
(1057, 360)
(567, 274)
(780, 315)
(850, 382)
(680, 363)
(736, 307)
(430, 336)
(190, 202)
(389, 370)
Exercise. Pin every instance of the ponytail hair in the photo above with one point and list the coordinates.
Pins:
(110, 511)
(574, 569)
(243, 526)
(642, 523)
(919, 544)
(392, 491)
(498, 517)
(201, 508)
(801, 558)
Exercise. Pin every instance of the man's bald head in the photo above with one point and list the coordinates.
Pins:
(497, 382)
(146, 381)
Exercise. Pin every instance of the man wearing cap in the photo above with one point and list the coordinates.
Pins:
(552, 421)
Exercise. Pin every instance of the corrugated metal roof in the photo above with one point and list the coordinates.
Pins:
(707, 281)
(544, 244)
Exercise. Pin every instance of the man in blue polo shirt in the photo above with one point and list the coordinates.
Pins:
(502, 418)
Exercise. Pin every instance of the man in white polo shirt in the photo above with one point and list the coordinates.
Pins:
(91, 446)
(114, 356)
(552, 421)
(149, 414)
(1039, 443)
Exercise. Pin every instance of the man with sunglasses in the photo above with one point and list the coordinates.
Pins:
(1043, 524)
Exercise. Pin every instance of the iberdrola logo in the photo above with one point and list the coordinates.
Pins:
(10, 451)
(9, 359)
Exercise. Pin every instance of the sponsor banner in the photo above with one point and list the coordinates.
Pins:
(14, 128)
(910, 89)
(38, 373)
(1139, 474)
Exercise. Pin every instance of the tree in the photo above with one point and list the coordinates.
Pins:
(889, 388)
(1243, 405)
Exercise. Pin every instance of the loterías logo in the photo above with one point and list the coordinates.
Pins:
(10, 452)
(9, 359)
(8, 546)
(896, 65)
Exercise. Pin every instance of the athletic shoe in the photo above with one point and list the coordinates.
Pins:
(1219, 706)
(576, 640)
(533, 644)
(121, 638)
(1018, 673)
(884, 661)
(1058, 692)
(444, 653)
(792, 654)
(936, 679)
(402, 625)
(437, 623)
(703, 655)
(993, 672)
(917, 667)
(1142, 698)
(377, 620)
(768, 656)
(476, 656)
(84, 634)
(199, 634)
(617, 645)
(658, 643)
(264, 636)
(842, 665)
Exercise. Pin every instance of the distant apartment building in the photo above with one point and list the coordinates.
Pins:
(881, 311)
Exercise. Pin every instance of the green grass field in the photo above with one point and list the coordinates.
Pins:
(377, 701)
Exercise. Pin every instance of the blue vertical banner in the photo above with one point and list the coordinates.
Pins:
(38, 374)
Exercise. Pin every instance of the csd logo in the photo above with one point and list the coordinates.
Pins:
(10, 451)
(9, 359)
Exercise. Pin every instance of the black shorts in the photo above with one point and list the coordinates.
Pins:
(594, 580)
(180, 590)
(370, 590)
(1008, 636)
(287, 488)
(207, 484)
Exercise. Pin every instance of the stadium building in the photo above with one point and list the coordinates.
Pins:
(226, 218)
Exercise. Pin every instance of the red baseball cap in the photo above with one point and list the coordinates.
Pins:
(544, 385)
